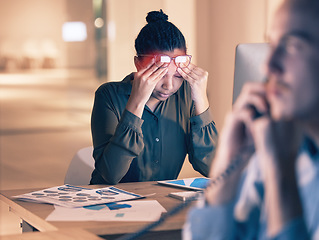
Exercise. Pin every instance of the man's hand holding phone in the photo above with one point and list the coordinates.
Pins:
(237, 139)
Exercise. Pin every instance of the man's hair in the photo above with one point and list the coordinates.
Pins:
(309, 7)
(159, 35)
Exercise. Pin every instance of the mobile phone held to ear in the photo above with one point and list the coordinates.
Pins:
(257, 114)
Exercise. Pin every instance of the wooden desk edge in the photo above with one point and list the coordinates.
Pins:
(65, 234)
(27, 216)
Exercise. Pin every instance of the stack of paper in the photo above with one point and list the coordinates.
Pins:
(74, 196)
(73, 203)
(121, 211)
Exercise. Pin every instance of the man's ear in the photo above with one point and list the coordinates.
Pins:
(137, 63)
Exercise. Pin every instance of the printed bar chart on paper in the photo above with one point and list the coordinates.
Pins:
(74, 196)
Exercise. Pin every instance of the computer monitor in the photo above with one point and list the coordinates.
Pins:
(249, 60)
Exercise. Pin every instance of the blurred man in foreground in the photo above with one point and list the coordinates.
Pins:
(277, 195)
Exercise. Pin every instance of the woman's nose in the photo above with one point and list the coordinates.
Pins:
(168, 82)
(169, 77)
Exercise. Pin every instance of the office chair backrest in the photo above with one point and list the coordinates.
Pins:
(80, 168)
(249, 60)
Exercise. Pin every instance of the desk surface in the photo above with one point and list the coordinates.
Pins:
(65, 234)
(35, 213)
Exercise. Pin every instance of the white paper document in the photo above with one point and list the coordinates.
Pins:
(74, 196)
(146, 210)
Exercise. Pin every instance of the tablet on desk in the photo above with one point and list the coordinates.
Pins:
(198, 183)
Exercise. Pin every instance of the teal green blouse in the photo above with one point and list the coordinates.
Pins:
(130, 149)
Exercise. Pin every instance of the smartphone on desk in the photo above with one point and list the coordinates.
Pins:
(183, 196)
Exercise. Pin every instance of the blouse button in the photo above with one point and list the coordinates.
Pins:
(157, 139)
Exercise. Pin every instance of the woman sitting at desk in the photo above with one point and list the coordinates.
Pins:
(143, 126)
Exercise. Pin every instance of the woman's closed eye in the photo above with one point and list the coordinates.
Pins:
(178, 76)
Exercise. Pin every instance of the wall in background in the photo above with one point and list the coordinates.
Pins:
(220, 26)
(80, 54)
(272, 6)
(33, 29)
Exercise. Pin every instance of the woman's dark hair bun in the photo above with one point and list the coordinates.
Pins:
(159, 35)
(156, 16)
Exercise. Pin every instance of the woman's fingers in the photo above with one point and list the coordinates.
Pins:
(192, 72)
(152, 72)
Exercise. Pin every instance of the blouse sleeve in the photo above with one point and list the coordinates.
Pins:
(203, 140)
(117, 139)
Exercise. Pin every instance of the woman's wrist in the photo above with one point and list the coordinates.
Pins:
(134, 107)
(201, 106)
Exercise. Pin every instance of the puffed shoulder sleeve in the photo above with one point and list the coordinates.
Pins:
(117, 138)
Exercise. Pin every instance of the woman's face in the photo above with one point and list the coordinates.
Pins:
(171, 81)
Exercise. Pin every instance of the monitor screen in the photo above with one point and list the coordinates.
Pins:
(249, 61)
